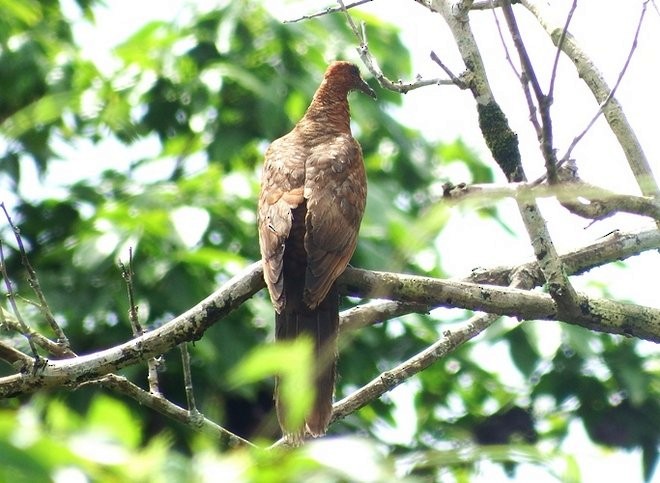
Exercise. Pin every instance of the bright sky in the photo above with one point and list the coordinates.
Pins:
(605, 30)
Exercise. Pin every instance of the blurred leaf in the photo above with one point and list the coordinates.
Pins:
(114, 418)
(627, 368)
(292, 363)
(523, 354)
(28, 11)
(17, 465)
(509, 453)
(43, 111)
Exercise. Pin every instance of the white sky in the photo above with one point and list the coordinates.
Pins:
(605, 30)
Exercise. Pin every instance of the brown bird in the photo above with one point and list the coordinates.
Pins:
(313, 193)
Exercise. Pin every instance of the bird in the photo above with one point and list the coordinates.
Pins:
(312, 199)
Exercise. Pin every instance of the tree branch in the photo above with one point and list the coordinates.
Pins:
(614, 246)
(372, 64)
(596, 314)
(388, 380)
(612, 109)
(188, 326)
(33, 281)
(544, 101)
(503, 144)
(599, 202)
(610, 95)
(158, 403)
(328, 11)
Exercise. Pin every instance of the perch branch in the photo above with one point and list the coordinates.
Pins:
(188, 326)
(596, 314)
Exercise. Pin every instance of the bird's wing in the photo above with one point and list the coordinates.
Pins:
(281, 192)
(335, 189)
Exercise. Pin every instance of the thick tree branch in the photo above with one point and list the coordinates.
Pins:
(503, 144)
(596, 314)
(615, 246)
(599, 203)
(188, 326)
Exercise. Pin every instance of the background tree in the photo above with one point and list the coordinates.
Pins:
(185, 110)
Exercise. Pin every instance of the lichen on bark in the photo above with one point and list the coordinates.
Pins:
(500, 139)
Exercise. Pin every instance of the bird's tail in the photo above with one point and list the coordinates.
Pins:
(321, 325)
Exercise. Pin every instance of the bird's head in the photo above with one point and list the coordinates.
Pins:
(348, 76)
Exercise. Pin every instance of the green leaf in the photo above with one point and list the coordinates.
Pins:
(523, 354)
(291, 362)
(114, 419)
(27, 11)
(43, 111)
(20, 466)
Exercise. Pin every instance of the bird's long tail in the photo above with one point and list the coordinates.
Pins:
(321, 325)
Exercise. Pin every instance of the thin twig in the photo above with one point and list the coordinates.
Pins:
(154, 363)
(12, 301)
(33, 281)
(57, 351)
(609, 97)
(613, 112)
(127, 275)
(187, 378)
(524, 82)
(15, 357)
(372, 64)
(544, 101)
(196, 422)
(328, 10)
(560, 44)
(506, 48)
(455, 80)
(349, 19)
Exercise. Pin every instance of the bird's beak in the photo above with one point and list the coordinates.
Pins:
(364, 87)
